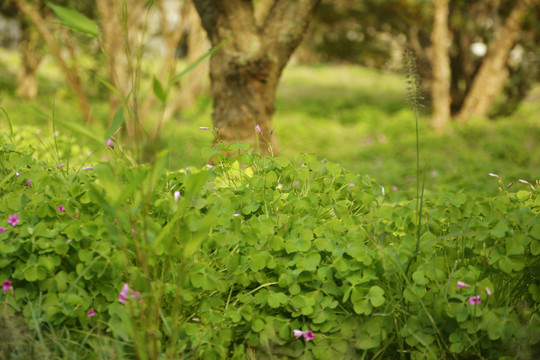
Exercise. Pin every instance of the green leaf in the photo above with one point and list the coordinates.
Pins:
(257, 325)
(376, 296)
(158, 91)
(75, 20)
(117, 121)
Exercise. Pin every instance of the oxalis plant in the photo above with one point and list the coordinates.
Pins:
(258, 258)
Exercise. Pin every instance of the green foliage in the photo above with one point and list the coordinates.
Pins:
(255, 248)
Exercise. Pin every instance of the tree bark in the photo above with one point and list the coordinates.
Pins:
(493, 73)
(244, 74)
(440, 87)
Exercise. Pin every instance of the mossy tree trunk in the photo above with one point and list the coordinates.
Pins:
(244, 74)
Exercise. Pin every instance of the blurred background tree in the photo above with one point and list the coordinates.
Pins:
(463, 48)
(375, 32)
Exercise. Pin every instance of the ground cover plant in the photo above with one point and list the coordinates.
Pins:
(308, 256)
(259, 258)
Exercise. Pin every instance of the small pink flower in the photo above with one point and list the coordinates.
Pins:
(461, 285)
(382, 190)
(475, 300)
(29, 183)
(91, 312)
(6, 285)
(13, 219)
(17, 174)
(204, 128)
(110, 143)
(523, 181)
(395, 188)
(69, 240)
(124, 294)
(258, 129)
(59, 166)
(510, 185)
(61, 208)
(488, 291)
(209, 166)
(2, 229)
(308, 335)
(135, 295)
(493, 175)
(351, 185)
(88, 168)
(235, 215)
(279, 186)
(176, 195)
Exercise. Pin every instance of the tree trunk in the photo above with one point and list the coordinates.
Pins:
(27, 81)
(244, 74)
(493, 73)
(440, 60)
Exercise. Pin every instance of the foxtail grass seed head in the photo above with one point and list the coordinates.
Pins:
(414, 92)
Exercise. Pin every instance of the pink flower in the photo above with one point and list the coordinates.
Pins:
(308, 335)
(176, 195)
(88, 168)
(488, 291)
(17, 174)
(523, 181)
(204, 128)
(258, 129)
(475, 300)
(124, 294)
(61, 208)
(510, 185)
(91, 313)
(59, 166)
(279, 186)
(382, 190)
(69, 240)
(13, 219)
(209, 166)
(136, 294)
(29, 183)
(235, 215)
(493, 175)
(110, 143)
(6, 285)
(461, 285)
(2, 229)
